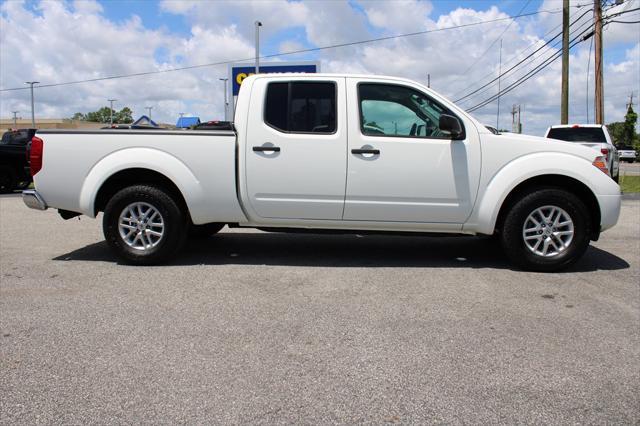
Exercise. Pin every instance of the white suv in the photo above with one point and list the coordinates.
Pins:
(594, 136)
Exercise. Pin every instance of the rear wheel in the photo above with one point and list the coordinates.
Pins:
(546, 230)
(144, 225)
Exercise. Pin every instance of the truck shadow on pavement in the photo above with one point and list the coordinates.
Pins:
(275, 249)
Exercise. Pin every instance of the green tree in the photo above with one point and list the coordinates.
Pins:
(629, 130)
(125, 116)
(616, 130)
(103, 115)
(624, 132)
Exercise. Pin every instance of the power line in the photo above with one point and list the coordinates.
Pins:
(314, 49)
(547, 43)
(486, 87)
(576, 40)
(495, 41)
(510, 60)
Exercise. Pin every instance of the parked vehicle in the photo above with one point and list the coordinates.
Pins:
(594, 136)
(333, 153)
(627, 153)
(14, 169)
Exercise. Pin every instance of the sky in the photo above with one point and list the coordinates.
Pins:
(67, 41)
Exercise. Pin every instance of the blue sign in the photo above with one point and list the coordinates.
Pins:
(238, 74)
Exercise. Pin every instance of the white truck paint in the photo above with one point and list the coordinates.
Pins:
(260, 176)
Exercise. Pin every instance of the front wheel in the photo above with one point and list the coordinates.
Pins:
(144, 225)
(546, 230)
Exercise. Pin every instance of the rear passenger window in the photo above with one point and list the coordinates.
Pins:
(301, 107)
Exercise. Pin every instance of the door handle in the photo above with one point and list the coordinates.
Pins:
(365, 151)
(266, 148)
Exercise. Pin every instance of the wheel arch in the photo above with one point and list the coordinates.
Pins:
(134, 166)
(135, 176)
(553, 181)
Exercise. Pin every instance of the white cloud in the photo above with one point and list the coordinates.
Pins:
(403, 15)
(74, 41)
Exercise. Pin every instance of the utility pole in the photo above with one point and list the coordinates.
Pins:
(15, 118)
(33, 114)
(258, 25)
(429, 81)
(599, 95)
(226, 102)
(149, 111)
(111, 101)
(516, 126)
(564, 95)
(499, 73)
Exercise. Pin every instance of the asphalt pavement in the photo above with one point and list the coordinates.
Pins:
(253, 327)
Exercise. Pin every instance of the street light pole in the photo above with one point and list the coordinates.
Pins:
(258, 25)
(111, 101)
(33, 115)
(226, 102)
(149, 111)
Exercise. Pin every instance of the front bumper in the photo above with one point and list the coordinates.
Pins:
(609, 210)
(33, 199)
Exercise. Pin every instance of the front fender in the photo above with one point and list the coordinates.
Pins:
(500, 184)
(144, 158)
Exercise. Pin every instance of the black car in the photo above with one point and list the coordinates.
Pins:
(14, 164)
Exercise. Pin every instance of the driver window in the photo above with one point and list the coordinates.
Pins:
(388, 110)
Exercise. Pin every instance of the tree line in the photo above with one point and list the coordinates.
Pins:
(103, 115)
(624, 132)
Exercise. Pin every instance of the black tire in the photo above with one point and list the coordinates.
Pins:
(513, 242)
(174, 230)
(7, 179)
(206, 230)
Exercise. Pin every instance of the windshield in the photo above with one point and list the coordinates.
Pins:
(578, 134)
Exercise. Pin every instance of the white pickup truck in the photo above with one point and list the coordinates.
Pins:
(330, 152)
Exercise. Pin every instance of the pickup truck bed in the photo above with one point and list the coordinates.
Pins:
(107, 157)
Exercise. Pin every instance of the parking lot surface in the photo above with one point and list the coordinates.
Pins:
(252, 327)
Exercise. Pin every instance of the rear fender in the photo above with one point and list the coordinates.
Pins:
(143, 158)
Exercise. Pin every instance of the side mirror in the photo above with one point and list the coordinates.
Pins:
(451, 125)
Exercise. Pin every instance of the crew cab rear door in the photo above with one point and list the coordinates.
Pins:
(295, 151)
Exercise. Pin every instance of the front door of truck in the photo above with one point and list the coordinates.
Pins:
(295, 151)
(401, 167)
